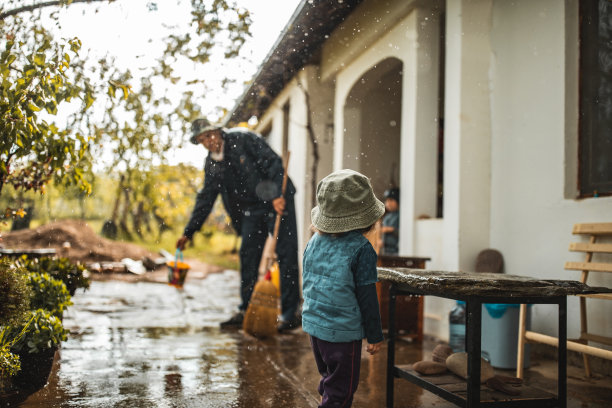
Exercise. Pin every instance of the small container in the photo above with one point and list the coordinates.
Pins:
(177, 270)
(456, 320)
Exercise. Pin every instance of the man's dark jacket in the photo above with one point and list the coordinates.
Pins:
(247, 162)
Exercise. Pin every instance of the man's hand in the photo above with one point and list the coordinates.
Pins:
(374, 348)
(279, 205)
(180, 244)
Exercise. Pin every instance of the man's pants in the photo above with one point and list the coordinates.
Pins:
(339, 365)
(256, 224)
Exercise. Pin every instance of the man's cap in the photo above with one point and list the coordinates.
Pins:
(200, 126)
(345, 202)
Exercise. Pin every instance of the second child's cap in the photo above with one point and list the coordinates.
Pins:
(345, 202)
(392, 193)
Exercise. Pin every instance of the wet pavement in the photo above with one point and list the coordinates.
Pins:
(146, 344)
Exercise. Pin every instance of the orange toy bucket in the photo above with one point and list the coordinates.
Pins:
(177, 270)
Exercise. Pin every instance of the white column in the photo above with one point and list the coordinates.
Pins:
(419, 140)
(467, 142)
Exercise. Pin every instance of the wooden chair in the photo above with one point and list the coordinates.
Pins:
(593, 231)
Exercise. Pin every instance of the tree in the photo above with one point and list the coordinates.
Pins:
(139, 123)
(34, 80)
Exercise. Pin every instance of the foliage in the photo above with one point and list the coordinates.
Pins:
(42, 331)
(14, 293)
(73, 275)
(48, 293)
(134, 118)
(9, 362)
(35, 78)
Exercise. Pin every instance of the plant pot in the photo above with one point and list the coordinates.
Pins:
(35, 369)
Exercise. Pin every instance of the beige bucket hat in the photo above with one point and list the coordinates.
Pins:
(345, 202)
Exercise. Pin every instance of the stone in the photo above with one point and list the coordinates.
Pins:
(441, 352)
(429, 367)
(457, 363)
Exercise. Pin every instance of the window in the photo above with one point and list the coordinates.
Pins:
(595, 122)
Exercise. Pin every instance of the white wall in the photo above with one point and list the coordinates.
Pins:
(510, 139)
(531, 220)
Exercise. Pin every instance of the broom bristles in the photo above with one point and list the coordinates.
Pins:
(261, 314)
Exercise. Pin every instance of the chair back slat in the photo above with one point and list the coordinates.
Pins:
(599, 228)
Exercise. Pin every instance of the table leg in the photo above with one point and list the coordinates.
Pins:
(562, 370)
(391, 346)
(473, 340)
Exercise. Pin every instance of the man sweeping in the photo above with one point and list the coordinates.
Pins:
(248, 175)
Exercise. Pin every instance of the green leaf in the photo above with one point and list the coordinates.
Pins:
(89, 100)
(33, 107)
(39, 59)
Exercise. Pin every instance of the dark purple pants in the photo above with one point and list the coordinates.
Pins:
(338, 364)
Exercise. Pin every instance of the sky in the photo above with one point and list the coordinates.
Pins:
(126, 30)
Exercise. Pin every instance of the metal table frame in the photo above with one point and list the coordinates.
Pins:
(473, 346)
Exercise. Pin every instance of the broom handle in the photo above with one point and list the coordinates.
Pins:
(283, 188)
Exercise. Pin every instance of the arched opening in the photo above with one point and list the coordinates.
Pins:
(372, 125)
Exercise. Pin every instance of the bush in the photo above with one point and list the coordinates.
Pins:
(48, 293)
(15, 293)
(9, 362)
(42, 331)
(74, 275)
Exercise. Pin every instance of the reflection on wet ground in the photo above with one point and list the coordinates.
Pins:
(151, 345)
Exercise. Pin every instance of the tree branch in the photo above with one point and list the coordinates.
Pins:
(33, 7)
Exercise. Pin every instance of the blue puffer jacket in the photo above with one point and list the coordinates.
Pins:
(247, 161)
(330, 311)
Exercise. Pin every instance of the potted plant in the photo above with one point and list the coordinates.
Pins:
(74, 275)
(35, 342)
(48, 293)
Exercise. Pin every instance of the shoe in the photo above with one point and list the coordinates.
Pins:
(287, 325)
(234, 322)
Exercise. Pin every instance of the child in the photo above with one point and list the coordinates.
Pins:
(390, 222)
(339, 283)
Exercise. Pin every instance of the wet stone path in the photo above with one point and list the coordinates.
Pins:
(151, 345)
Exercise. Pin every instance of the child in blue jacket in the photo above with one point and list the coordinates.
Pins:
(339, 283)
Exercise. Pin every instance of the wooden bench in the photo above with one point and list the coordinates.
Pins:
(593, 232)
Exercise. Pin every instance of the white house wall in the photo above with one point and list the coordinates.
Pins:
(511, 88)
(506, 134)
(531, 220)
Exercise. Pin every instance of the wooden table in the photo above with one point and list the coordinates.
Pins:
(476, 289)
(409, 308)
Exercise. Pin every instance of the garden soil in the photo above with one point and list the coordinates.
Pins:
(88, 247)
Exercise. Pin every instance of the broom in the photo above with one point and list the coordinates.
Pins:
(261, 315)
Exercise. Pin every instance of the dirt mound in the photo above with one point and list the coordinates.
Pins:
(85, 245)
